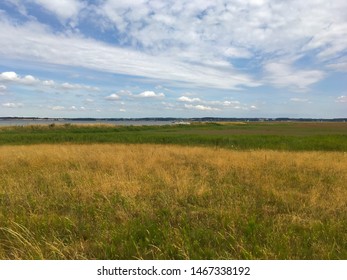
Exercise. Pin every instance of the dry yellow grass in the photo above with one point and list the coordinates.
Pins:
(153, 201)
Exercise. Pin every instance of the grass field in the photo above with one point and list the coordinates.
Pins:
(276, 136)
(153, 201)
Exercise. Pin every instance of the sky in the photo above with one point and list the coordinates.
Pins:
(173, 58)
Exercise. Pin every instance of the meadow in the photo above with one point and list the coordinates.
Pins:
(288, 136)
(176, 192)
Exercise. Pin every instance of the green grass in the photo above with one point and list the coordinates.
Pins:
(274, 136)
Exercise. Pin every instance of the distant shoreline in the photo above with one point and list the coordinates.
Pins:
(153, 119)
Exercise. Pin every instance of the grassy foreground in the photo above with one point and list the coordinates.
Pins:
(106, 201)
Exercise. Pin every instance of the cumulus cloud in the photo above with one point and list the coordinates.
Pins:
(13, 77)
(188, 99)
(49, 83)
(12, 105)
(57, 108)
(342, 99)
(29, 80)
(3, 88)
(225, 103)
(112, 97)
(207, 105)
(9, 76)
(200, 107)
(69, 86)
(150, 94)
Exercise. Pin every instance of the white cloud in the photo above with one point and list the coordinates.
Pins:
(341, 65)
(3, 88)
(49, 83)
(150, 94)
(12, 105)
(230, 103)
(226, 103)
(237, 53)
(29, 80)
(68, 86)
(331, 41)
(298, 99)
(188, 99)
(71, 108)
(64, 9)
(39, 44)
(284, 75)
(213, 33)
(9, 76)
(342, 99)
(112, 97)
(57, 108)
(200, 107)
(190, 43)
(122, 110)
(241, 27)
(13, 77)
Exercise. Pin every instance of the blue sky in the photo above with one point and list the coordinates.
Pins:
(151, 58)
